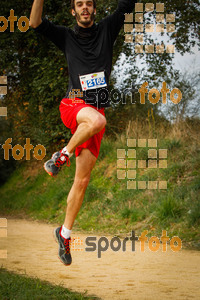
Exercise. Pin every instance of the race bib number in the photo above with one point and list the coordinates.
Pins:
(92, 81)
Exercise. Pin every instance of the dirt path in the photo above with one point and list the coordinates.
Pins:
(116, 275)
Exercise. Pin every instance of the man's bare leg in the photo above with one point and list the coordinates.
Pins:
(84, 165)
(90, 122)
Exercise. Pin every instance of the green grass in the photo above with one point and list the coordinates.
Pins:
(21, 287)
(108, 206)
(169, 207)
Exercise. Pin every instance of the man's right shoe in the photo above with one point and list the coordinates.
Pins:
(52, 166)
(64, 247)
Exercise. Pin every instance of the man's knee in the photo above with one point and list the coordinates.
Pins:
(98, 123)
(82, 183)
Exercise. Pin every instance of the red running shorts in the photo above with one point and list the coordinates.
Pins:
(68, 110)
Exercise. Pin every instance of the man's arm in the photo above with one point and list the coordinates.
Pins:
(54, 33)
(36, 13)
(116, 20)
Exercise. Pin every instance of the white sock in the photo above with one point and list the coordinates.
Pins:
(64, 151)
(65, 232)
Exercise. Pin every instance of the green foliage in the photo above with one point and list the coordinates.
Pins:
(132, 213)
(194, 211)
(169, 207)
(172, 144)
(106, 149)
(21, 287)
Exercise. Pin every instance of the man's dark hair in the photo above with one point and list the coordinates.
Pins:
(73, 6)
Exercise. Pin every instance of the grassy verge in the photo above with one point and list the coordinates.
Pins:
(21, 287)
(109, 207)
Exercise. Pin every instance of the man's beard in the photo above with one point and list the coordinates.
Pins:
(85, 22)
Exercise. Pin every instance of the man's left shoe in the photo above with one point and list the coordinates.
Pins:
(64, 247)
(52, 166)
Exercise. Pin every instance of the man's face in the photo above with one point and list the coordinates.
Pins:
(84, 12)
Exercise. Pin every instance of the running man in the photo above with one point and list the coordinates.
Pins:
(88, 50)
